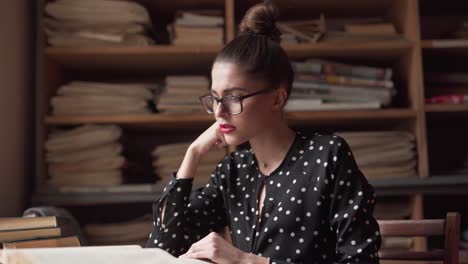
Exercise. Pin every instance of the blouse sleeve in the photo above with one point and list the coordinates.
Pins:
(351, 210)
(188, 216)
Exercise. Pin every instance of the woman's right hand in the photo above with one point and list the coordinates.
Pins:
(211, 137)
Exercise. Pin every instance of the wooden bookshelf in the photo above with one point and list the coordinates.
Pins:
(203, 120)
(57, 65)
(446, 108)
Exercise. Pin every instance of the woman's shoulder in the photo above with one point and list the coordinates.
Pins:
(324, 140)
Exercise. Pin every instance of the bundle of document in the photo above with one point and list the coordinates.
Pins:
(202, 27)
(383, 154)
(94, 98)
(169, 157)
(97, 23)
(88, 155)
(181, 94)
(132, 232)
(321, 85)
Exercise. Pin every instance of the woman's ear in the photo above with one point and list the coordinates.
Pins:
(280, 98)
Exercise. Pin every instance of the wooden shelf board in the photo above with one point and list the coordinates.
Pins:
(439, 185)
(172, 58)
(158, 57)
(371, 50)
(446, 108)
(184, 120)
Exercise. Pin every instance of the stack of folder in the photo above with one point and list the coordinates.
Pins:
(181, 94)
(383, 154)
(202, 27)
(89, 155)
(97, 23)
(169, 157)
(95, 98)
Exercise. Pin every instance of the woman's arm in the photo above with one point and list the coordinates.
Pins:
(351, 210)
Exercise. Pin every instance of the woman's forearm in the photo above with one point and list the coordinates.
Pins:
(189, 165)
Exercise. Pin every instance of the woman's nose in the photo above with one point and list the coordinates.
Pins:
(220, 110)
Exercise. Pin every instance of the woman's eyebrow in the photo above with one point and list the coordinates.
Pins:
(230, 90)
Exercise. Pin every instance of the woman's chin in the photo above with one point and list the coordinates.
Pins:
(234, 140)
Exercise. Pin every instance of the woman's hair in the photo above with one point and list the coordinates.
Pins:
(257, 51)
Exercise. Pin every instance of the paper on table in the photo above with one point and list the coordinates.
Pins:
(92, 255)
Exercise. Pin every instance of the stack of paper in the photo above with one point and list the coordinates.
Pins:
(133, 232)
(93, 98)
(169, 157)
(203, 27)
(89, 155)
(383, 154)
(96, 23)
(326, 85)
(181, 94)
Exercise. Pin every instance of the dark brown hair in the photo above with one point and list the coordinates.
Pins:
(257, 48)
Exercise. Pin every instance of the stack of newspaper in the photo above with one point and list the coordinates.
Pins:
(203, 27)
(327, 85)
(93, 98)
(181, 94)
(89, 155)
(383, 154)
(169, 157)
(96, 23)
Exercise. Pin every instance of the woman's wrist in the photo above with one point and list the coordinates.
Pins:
(189, 165)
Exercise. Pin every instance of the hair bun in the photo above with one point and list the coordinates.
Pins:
(261, 19)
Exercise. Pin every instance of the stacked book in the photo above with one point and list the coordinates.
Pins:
(394, 208)
(202, 27)
(132, 232)
(31, 232)
(181, 94)
(327, 85)
(95, 98)
(169, 157)
(383, 154)
(97, 23)
(89, 155)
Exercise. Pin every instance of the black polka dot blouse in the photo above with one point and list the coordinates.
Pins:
(317, 209)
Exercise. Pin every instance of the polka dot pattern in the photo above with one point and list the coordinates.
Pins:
(317, 206)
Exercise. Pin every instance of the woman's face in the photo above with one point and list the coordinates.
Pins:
(257, 113)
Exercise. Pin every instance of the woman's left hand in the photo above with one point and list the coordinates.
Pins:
(213, 247)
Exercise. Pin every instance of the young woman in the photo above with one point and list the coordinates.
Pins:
(291, 197)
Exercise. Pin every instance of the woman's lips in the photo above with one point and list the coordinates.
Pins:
(225, 128)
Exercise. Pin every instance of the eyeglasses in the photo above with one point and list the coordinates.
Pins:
(231, 103)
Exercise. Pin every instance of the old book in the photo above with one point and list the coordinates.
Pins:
(7, 236)
(72, 241)
(24, 223)
(93, 255)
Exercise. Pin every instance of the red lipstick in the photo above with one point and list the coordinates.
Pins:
(226, 128)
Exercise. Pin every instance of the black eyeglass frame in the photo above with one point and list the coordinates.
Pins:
(239, 97)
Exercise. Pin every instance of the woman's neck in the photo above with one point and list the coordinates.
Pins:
(271, 147)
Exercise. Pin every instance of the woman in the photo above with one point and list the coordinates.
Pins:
(291, 197)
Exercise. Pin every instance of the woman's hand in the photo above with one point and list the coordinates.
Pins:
(208, 139)
(214, 248)
(204, 143)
